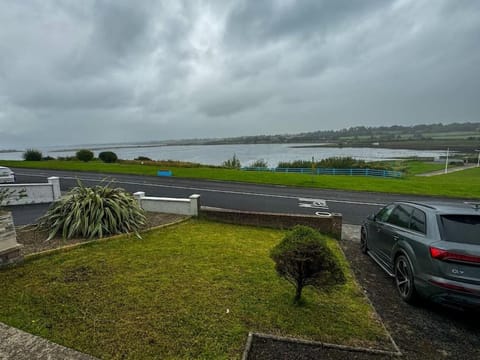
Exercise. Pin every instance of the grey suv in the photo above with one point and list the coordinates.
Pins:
(431, 249)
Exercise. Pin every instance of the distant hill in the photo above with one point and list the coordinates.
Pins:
(457, 136)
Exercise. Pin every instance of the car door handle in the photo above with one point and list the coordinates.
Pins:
(395, 237)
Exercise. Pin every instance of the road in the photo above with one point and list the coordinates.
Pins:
(354, 206)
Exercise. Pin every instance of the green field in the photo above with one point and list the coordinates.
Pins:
(462, 184)
(192, 290)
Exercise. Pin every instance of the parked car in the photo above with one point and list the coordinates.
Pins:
(431, 249)
(6, 175)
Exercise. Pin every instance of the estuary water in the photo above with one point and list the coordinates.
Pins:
(246, 153)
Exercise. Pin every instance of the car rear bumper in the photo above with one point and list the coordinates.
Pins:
(451, 292)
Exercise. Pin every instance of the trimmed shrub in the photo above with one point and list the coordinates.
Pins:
(93, 212)
(84, 155)
(233, 163)
(304, 259)
(108, 156)
(32, 155)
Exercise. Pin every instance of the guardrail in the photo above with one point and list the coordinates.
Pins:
(331, 171)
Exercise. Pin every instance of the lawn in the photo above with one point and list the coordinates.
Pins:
(462, 184)
(192, 290)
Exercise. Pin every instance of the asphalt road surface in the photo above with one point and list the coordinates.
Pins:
(354, 206)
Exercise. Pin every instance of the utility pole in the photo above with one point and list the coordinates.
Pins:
(313, 168)
(446, 161)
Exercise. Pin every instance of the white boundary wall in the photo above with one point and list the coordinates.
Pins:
(36, 193)
(188, 206)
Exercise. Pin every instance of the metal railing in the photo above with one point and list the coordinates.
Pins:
(331, 171)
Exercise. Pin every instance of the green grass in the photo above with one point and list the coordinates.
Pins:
(462, 184)
(167, 296)
(414, 167)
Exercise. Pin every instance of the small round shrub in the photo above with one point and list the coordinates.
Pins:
(93, 212)
(304, 259)
(108, 156)
(84, 155)
(32, 155)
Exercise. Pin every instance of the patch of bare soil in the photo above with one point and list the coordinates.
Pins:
(34, 241)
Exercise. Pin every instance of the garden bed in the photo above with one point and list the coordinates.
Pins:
(34, 241)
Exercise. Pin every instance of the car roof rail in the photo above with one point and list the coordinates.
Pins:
(420, 204)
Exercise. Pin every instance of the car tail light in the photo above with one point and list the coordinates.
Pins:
(446, 255)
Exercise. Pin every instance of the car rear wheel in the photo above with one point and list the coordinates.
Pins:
(404, 279)
(363, 240)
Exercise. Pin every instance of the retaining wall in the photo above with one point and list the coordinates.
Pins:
(327, 224)
(35, 193)
(188, 206)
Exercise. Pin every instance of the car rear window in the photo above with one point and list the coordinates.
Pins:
(461, 228)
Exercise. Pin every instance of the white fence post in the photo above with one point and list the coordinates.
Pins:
(194, 204)
(139, 195)
(55, 182)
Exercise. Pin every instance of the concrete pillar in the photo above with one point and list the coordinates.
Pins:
(55, 182)
(139, 195)
(194, 204)
(9, 248)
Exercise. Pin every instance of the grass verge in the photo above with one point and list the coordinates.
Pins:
(462, 184)
(192, 290)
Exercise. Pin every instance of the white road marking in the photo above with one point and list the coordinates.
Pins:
(323, 213)
(200, 189)
(312, 203)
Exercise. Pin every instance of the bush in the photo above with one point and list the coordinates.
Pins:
(47, 158)
(259, 164)
(143, 158)
(304, 259)
(32, 155)
(84, 155)
(298, 164)
(232, 163)
(108, 156)
(90, 212)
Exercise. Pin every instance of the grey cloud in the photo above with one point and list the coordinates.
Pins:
(124, 71)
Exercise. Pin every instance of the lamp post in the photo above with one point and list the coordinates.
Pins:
(446, 161)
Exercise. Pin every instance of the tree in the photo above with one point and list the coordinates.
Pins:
(108, 156)
(304, 259)
(32, 155)
(84, 155)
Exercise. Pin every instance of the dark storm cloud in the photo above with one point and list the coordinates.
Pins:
(124, 71)
(252, 22)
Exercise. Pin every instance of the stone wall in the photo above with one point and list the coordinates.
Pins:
(9, 248)
(326, 224)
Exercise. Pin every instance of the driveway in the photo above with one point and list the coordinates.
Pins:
(426, 331)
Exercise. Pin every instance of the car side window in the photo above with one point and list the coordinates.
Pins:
(385, 213)
(418, 221)
(401, 216)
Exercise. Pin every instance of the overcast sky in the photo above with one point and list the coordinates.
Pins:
(76, 72)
